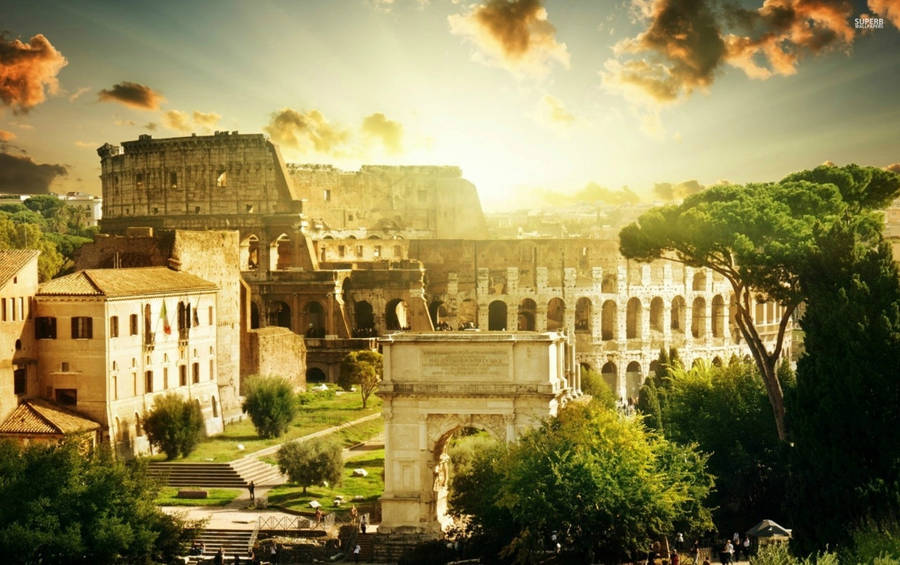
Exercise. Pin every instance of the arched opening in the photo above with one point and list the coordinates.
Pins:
(608, 323)
(527, 310)
(315, 375)
(279, 314)
(452, 452)
(315, 319)
(148, 324)
(215, 407)
(717, 361)
(654, 366)
(249, 253)
(698, 317)
(759, 317)
(365, 319)
(556, 312)
(633, 319)
(467, 316)
(583, 309)
(497, 316)
(634, 378)
(281, 253)
(609, 372)
(679, 308)
(717, 313)
(732, 318)
(699, 283)
(438, 312)
(609, 285)
(138, 428)
(656, 315)
(395, 317)
(254, 316)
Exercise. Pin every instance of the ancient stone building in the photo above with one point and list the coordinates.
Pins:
(344, 257)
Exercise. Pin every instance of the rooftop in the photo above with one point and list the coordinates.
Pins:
(12, 261)
(42, 417)
(119, 283)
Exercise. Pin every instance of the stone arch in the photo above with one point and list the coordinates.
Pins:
(281, 253)
(656, 315)
(717, 361)
(633, 314)
(678, 312)
(654, 365)
(583, 312)
(279, 314)
(467, 315)
(634, 378)
(254, 315)
(610, 374)
(395, 315)
(315, 375)
(698, 317)
(717, 313)
(608, 320)
(249, 253)
(556, 314)
(215, 406)
(527, 311)
(314, 314)
(497, 316)
(438, 312)
(364, 315)
(699, 282)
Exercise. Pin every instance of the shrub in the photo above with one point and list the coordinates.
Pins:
(311, 462)
(175, 425)
(361, 368)
(271, 404)
(592, 383)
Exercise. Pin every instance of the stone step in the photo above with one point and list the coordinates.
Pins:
(231, 541)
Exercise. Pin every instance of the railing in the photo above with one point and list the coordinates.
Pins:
(253, 537)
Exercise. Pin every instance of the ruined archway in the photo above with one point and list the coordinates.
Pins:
(556, 313)
(698, 317)
(633, 319)
(467, 315)
(583, 308)
(254, 315)
(365, 316)
(438, 312)
(395, 315)
(527, 310)
(679, 308)
(634, 378)
(656, 316)
(314, 316)
(717, 315)
(497, 316)
(281, 253)
(279, 314)
(610, 374)
(699, 282)
(249, 254)
(608, 322)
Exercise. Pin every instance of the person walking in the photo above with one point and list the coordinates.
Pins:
(252, 488)
(695, 553)
(728, 554)
(362, 525)
(219, 559)
(356, 551)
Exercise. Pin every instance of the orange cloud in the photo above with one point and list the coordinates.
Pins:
(306, 131)
(6, 135)
(26, 70)
(515, 34)
(552, 111)
(206, 120)
(888, 9)
(389, 132)
(133, 95)
(177, 120)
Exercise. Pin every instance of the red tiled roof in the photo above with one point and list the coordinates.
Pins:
(41, 417)
(125, 282)
(12, 261)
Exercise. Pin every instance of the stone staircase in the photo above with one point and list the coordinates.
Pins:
(232, 542)
(236, 474)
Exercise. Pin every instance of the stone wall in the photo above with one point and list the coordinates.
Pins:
(276, 351)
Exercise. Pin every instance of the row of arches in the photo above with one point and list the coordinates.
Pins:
(634, 374)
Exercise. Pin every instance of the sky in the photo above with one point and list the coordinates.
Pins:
(527, 97)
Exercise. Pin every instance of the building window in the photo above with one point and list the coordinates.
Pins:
(114, 326)
(173, 180)
(182, 375)
(378, 251)
(12, 309)
(22, 307)
(139, 180)
(133, 383)
(67, 396)
(138, 428)
(115, 387)
(64, 367)
(210, 315)
(133, 324)
(249, 208)
(45, 328)
(165, 378)
(148, 381)
(195, 369)
(212, 372)
(326, 194)
(222, 179)
(82, 327)
(359, 250)
(341, 250)
(398, 251)
(20, 380)
(3, 309)
(18, 345)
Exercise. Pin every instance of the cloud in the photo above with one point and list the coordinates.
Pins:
(133, 95)
(388, 132)
(678, 191)
(152, 126)
(177, 120)
(307, 131)
(6, 135)
(21, 175)
(551, 111)
(686, 43)
(75, 95)
(26, 70)
(514, 34)
(592, 193)
(88, 144)
(888, 9)
(206, 120)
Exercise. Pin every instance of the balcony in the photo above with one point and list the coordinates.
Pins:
(149, 341)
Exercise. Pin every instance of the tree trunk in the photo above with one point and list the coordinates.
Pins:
(776, 395)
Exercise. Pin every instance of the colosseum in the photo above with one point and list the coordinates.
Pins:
(344, 257)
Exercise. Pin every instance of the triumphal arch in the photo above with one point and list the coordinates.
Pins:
(438, 383)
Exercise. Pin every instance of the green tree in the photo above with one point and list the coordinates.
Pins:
(60, 506)
(592, 383)
(602, 482)
(758, 237)
(363, 368)
(845, 467)
(271, 404)
(175, 425)
(47, 205)
(15, 235)
(312, 462)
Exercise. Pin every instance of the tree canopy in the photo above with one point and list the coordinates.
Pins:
(363, 368)
(604, 484)
(271, 403)
(758, 237)
(60, 506)
(312, 462)
(175, 424)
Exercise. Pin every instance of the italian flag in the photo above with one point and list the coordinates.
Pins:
(165, 319)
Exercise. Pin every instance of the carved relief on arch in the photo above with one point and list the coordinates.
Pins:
(439, 427)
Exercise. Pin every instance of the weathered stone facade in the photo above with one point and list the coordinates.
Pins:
(275, 351)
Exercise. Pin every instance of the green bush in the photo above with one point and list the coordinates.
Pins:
(271, 404)
(175, 425)
(312, 462)
(779, 554)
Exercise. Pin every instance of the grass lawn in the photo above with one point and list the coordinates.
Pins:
(348, 437)
(215, 497)
(318, 413)
(369, 487)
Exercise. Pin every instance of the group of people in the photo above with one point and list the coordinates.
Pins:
(365, 332)
(736, 548)
(732, 550)
(628, 406)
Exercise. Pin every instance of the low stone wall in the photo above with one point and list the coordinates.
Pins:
(276, 351)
